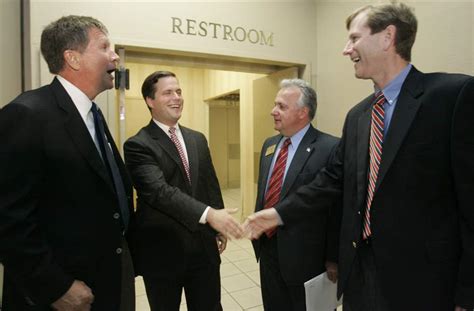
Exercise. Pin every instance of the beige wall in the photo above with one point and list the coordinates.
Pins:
(149, 24)
(445, 42)
(224, 141)
(10, 51)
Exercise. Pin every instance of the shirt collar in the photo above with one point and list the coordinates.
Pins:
(392, 90)
(298, 136)
(80, 100)
(166, 128)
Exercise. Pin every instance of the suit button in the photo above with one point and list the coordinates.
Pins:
(118, 251)
(116, 216)
(358, 213)
(354, 244)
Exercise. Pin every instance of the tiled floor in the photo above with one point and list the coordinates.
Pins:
(240, 282)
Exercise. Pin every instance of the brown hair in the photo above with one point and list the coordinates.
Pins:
(397, 14)
(67, 33)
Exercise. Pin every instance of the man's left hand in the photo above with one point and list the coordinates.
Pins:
(331, 269)
(221, 242)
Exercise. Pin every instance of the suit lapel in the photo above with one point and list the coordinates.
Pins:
(305, 149)
(79, 133)
(168, 146)
(363, 136)
(193, 157)
(266, 160)
(405, 112)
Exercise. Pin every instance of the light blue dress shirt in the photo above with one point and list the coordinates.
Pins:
(391, 92)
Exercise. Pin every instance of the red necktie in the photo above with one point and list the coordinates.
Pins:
(174, 139)
(375, 154)
(276, 180)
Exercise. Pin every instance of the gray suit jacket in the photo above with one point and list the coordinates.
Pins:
(309, 235)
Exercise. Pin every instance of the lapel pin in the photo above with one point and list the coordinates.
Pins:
(308, 149)
(270, 150)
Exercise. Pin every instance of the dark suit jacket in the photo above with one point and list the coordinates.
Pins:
(57, 203)
(308, 237)
(168, 208)
(422, 215)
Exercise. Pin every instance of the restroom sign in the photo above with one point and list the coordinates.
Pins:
(192, 27)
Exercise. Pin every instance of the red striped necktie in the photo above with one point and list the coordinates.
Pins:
(174, 139)
(375, 155)
(276, 180)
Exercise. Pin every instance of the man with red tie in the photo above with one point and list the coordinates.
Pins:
(301, 240)
(404, 171)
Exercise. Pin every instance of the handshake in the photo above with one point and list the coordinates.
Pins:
(253, 227)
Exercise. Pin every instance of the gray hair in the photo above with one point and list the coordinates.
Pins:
(67, 33)
(308, 94)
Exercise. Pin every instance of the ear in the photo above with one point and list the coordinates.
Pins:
(390, 34)
(304, 113)
(149, 103)
(72, 59)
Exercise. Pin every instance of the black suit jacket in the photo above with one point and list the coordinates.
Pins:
(168, 208)
(422, 215)
(308, 237)
(57, 203)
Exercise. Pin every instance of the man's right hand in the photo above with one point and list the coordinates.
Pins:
(222, 221)
(79, 297)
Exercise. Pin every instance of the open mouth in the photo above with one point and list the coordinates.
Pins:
(356, 59)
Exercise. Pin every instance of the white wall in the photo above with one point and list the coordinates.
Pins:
(10, 51)
(149, 24)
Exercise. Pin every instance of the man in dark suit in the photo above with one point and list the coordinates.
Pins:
(302, 241)
(407, 232)
(179, 208)
(62, 213)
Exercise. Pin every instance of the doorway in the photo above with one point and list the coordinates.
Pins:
(227, 99)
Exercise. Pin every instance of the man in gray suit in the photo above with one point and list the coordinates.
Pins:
(303, 235)
(181, 224)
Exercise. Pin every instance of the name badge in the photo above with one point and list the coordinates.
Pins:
(270, 150)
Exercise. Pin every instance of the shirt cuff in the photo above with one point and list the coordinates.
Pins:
(203, 219)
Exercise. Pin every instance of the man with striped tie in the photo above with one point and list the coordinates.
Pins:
(181, 224)
(299, 241)
(404, 171)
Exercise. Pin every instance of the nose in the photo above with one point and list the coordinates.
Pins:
(273, 111)
(115, 57)
(347, 49)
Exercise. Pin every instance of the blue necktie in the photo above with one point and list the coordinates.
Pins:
(111, 165)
